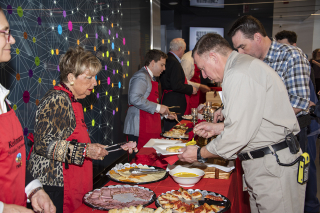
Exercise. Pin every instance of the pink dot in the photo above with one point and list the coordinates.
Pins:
(121, 63)
(58, 68)
(64, 13)
(114, 72)
(101, 18)
(105, 67)
(124, 41)
(109, 32)
(108, 80)
(70, 25)
(96, 35)
(26, 96)
(116, 35)
(81, 28)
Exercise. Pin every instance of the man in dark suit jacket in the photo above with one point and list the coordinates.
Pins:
(173, 82)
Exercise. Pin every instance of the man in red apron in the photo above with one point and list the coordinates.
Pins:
(176, 91)
(14, 194)
(192, 73)
(143, 120)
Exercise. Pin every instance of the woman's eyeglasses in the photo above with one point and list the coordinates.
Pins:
(6, 32)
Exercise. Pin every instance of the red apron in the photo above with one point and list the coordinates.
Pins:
(150, 124)
(195, 99)
(12, 160)
(78, 180)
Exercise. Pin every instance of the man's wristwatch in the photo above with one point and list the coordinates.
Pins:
(199, 158)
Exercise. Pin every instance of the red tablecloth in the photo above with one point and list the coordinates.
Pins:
(231, 188)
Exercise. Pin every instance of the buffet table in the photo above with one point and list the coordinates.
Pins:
(231, 188)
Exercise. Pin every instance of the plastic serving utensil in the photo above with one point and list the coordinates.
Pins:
(192, 142)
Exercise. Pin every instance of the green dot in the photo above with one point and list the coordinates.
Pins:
(107, 93)
(85, 109)
(89, 20)
(20, 11)
(34, 40)
(110, 98)
(107, 54)
(37, 60)
(127, 63)
(17, 51)
(39, 80)
(14, 107)
(93, 122)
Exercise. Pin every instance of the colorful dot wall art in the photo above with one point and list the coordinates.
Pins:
(44, 30)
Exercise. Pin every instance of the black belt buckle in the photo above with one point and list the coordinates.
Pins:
(292, 143)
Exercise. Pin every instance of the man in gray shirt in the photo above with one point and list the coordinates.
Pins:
(257, 116)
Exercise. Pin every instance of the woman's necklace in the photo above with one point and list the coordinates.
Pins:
(67, 88)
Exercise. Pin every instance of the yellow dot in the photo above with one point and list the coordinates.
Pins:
(93, 122)
(110, 58)
(52, 52)
(57, 52)
(109, 41)
(93, 91)
(14, 107)
(102, 54)
(78, 42)
(94, 48)
(39, 80)
(102, 41)
(127, 74)
(86, 35)
(110, 98)
(127, 63)
(89, 20)
(119, 49)
(91, 106)
(112, 85)
(54, 82)
(85, 109)
(17, 51)
(34, 40)
(107, 54)
(99, 82)
(117, 109)
(117, 71)
(106, 93)
(112, 25)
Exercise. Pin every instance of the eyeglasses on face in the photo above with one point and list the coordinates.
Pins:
(6, 32)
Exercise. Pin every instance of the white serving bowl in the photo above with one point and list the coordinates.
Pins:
(186, 181)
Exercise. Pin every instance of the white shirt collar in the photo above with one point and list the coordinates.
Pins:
(149, 71)
(3, 95)
(176, 57)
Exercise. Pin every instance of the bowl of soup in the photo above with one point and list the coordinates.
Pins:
(186, 177)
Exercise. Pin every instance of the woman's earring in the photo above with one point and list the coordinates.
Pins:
(71, 83)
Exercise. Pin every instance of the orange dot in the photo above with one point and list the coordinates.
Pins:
(128, 52)
(94, 48)
(91, 107)
(110, 58)
(25, 35)
(18, 77)
(78, 42)
(112, 25)
(124, 76)
(99, 82)
(117, 109)
(102, 41)
(37, 102)
(112, 85)
(57, 51)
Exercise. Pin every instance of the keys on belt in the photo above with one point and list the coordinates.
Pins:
(262, 152)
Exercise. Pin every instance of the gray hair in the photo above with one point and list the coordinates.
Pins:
(176, 43)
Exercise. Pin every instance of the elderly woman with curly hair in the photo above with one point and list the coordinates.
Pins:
(62, 155)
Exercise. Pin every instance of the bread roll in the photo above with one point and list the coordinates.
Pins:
(158, 210)
(139, 208)
(114, 211)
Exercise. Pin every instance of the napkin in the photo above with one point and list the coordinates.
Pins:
(172, 159)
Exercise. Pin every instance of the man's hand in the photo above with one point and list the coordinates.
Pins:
(189, 154)
(207, 130)
(218, 116)
(11, 208)
(164, 110)
(172, 116)
(194, 91)
(41, 202)
(204, 88)
(311, 103)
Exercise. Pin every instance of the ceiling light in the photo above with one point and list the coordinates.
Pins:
(173, 3)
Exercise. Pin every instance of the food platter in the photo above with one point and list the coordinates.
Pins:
(187, 117)
(118, 196)
(120, 174)
(192, 200)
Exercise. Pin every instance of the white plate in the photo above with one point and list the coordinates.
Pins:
(162, 149)
(155, 142)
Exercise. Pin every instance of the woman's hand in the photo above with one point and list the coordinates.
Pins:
(96, 151)
(11, 208)
(41, 202)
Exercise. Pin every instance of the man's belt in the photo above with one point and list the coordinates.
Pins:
(262, 152)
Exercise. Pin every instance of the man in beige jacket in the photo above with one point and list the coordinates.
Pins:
(257, 116)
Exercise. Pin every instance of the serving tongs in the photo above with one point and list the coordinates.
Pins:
(139, 171)
(212, 202)
(173, 107)
(118, 144)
